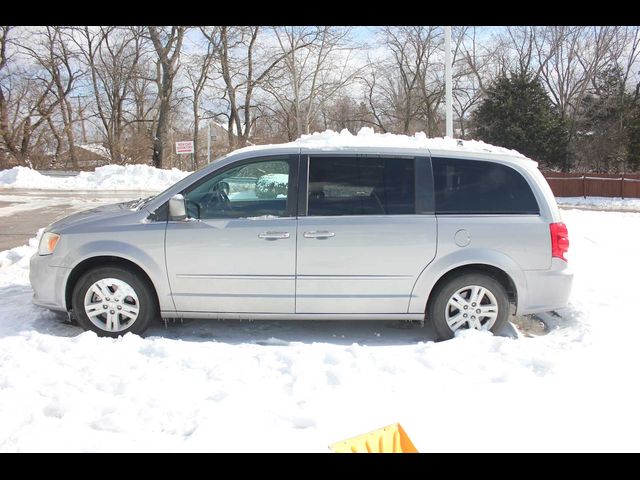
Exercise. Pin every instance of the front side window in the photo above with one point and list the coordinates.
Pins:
(251, 190)
(479, 187)
(361, 186)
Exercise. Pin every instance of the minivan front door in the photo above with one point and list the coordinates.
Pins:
(368, 232)
(236, 252)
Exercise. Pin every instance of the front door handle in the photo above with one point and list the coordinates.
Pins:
(318, 234)
(273, 235)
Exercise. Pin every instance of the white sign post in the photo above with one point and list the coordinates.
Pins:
(184, 147)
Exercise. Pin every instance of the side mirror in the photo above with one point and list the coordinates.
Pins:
(177, 208)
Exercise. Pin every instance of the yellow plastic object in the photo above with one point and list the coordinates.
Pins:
(389, 439)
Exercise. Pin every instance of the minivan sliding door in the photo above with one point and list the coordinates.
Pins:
(368, 232)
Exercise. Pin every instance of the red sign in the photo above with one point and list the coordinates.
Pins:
(184, 147)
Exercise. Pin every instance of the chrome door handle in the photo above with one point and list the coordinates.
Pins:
(273, 235)
(318, 234)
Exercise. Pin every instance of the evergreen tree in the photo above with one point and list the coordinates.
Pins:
(517, 113)
(633, 135)
(603, 138)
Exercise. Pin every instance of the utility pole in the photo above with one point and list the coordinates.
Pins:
(208, 142)
(447, 75)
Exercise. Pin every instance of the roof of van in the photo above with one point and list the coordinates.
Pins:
(385, 143)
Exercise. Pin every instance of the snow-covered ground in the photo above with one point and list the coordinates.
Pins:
(299, 386)
(601, 203)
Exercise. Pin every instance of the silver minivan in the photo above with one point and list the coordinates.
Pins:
(460, 238)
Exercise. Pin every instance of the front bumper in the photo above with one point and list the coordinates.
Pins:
(546, 289)
(48, 282)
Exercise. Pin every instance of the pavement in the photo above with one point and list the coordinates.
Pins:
(23, 212)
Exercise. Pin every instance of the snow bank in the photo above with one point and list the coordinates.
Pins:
(601, 203)
(109, 177)
(298, 386)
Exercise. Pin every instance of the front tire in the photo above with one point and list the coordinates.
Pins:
(469, 300)
(112, 301)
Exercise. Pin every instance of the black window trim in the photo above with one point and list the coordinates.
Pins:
(303, 185)
(424, 195)
(424, 191)
(292, 187)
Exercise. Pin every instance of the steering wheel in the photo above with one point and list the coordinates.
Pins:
(221, 193)
(193, 208)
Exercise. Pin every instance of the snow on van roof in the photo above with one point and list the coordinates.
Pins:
(366, 137)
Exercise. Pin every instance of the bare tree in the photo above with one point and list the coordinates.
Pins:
(475, 64)
(167, 45)
(409, 86)
(624, 53)
(245, 64)
(318, 65)
(112, 56)
(569, 59)
(197, 71)
(4, 107)
(373, 102)
(51, 52)
(276, 83)
(27, 99)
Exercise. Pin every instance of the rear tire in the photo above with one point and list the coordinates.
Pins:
(113, 301)
(468, 300)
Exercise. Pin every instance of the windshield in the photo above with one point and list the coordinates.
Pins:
(141, 202)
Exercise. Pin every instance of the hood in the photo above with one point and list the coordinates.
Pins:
(102, 213)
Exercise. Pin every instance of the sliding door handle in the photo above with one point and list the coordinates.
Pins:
(318, 234)
(273, 235)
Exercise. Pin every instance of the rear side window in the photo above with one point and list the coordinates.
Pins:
(478, 187)
(361, 186)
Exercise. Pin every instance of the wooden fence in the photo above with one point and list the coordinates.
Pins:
(593, 184)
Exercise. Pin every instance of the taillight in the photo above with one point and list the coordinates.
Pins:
(559, 240)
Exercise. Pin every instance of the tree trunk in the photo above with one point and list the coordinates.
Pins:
(160, 139)
(196, 127)
(68, 130)
(168, 55)
(23, 154)
(56, 155)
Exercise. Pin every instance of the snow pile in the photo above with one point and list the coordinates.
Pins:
(601, 203)
(109, 177)
(366, 137)
(18, 257)
(298, 386)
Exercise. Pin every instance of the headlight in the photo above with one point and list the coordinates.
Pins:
(48, 243)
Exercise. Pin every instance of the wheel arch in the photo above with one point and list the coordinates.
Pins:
(490, 262)
(490, 270)
(105, 261)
